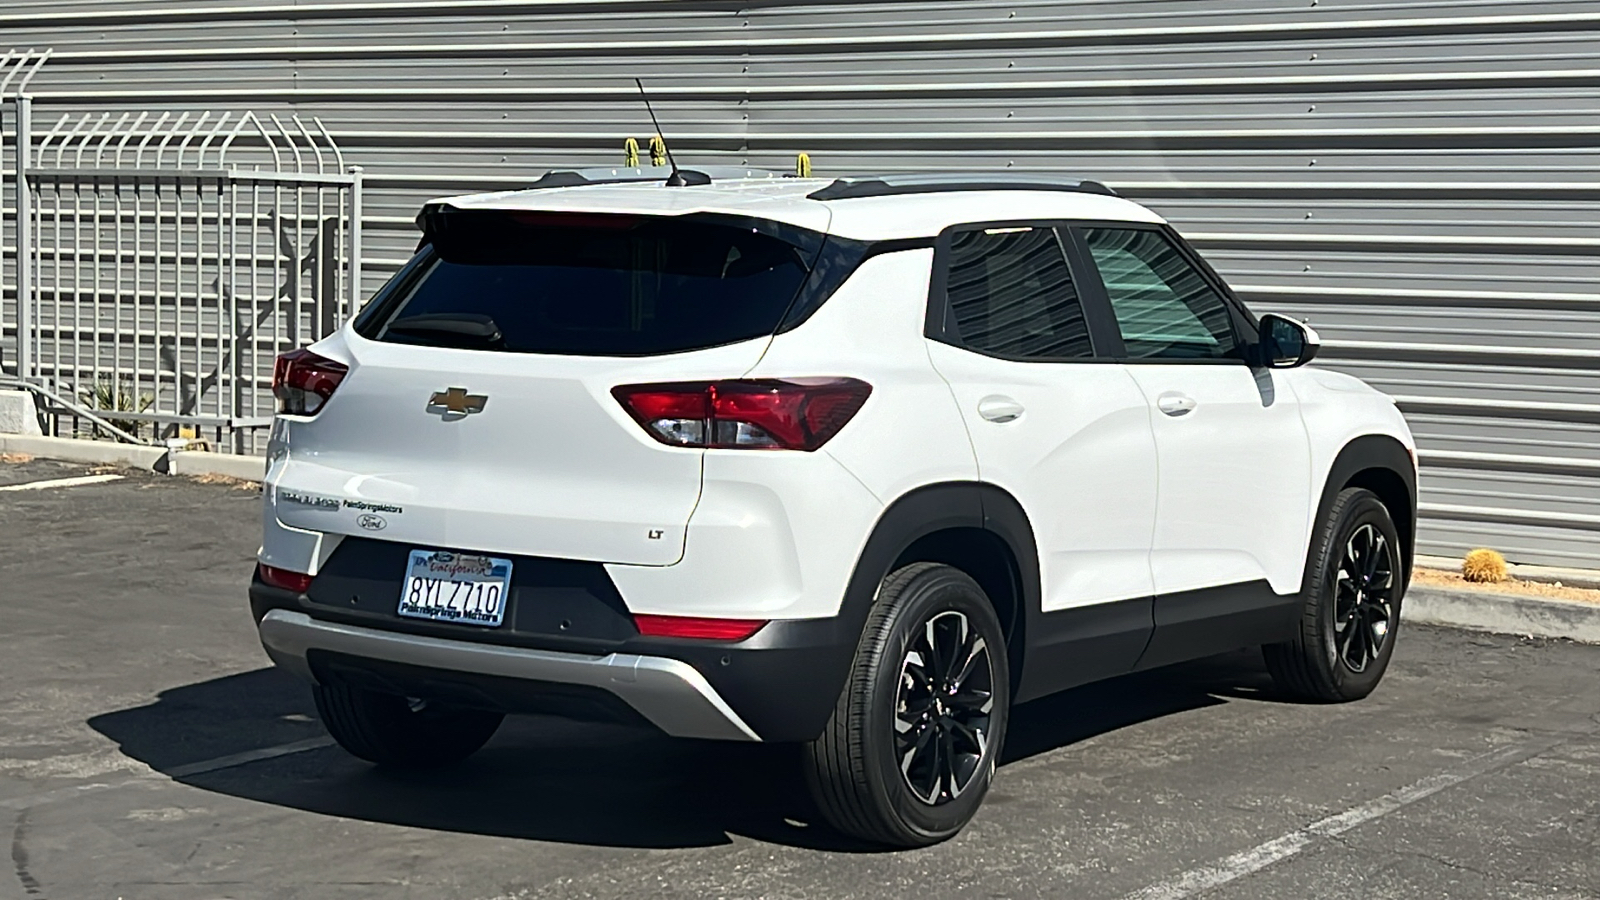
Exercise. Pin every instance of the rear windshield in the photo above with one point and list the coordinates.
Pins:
(590, 285)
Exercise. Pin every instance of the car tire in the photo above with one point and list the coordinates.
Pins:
(910, 749)
(401, 732)
(1354, 582)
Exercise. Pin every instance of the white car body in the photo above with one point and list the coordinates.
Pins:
(1137, 479)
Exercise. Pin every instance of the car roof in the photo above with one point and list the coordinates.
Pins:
(860, 209)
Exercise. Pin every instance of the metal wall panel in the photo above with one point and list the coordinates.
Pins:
(1419, 179)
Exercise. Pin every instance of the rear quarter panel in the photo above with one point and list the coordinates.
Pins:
(910, 431)
(777, 535)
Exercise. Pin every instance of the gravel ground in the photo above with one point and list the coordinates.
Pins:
(1453, 580)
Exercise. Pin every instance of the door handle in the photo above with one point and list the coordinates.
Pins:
(999, 409)
(1175, 404)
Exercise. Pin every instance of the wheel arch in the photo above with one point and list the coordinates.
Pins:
(978, 528)
(1383, 465)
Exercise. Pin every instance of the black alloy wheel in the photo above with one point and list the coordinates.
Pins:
(911, 748)
(1354, 583)
(942, 709)
(1364, 598)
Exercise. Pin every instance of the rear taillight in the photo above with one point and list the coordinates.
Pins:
(698, 628)
(303, 381)
(283, 578)
(754, 414)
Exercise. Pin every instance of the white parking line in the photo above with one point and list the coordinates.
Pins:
(61, 483)
(249, 756)
(1204, 878)
(183, 771)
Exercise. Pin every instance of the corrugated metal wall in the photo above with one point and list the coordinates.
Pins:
(1419, 179)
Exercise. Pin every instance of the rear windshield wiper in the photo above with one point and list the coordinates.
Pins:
(451, 329)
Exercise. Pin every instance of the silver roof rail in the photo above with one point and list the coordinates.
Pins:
(889, 185)
(558, 178)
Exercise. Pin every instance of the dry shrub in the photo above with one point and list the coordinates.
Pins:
(1484, 565)
(15, 458)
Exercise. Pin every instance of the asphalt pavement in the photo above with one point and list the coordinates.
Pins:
(147, 750)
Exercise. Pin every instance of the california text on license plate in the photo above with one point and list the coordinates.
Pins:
(455, 587)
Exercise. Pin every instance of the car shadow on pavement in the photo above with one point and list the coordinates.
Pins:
(551, 780)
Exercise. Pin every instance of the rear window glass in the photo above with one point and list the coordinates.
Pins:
(596, 285)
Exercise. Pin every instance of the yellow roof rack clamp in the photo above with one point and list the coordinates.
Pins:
(658, 151)
(802, 165)
(630, 153)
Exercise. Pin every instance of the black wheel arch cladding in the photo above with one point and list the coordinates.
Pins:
(908, 532)
(1382, 465)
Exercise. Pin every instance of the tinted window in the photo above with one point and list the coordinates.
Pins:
(592, 285)
(1164, 307)
(1011, 295)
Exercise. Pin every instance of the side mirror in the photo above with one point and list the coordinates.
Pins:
(1286, 343)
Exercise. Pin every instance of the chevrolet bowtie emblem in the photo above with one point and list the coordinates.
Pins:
(457, 402)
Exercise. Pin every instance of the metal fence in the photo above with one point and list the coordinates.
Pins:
(164, 259)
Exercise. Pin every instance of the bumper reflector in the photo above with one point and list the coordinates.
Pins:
(702, 629)
(283, 578)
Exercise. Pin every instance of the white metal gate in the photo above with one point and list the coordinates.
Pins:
(163, 260)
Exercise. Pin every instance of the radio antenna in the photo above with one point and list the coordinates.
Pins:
(676, 179)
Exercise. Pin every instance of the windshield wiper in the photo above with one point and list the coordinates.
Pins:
(456, 329)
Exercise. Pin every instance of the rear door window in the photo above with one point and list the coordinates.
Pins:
(590, 285)
(1011, 295)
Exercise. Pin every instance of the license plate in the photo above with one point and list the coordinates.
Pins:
(456, 587)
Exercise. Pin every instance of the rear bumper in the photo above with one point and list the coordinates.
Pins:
(574, 645)
(669, 693)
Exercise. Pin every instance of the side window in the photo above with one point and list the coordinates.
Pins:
(1163, 305)
(1011, 295)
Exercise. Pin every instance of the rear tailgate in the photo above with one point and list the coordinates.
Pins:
(551, 465)
(477, 412)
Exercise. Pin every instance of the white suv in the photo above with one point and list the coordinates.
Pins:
(857, 465)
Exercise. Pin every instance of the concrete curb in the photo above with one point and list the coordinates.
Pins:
(73, 450)
(200, 462)
(155, 459)
(1503, 613)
